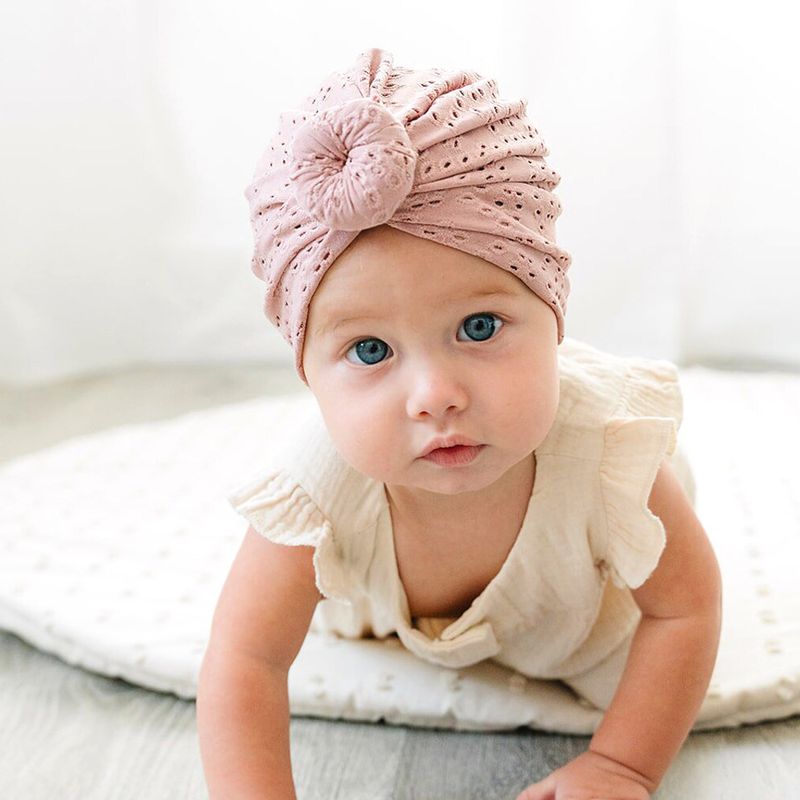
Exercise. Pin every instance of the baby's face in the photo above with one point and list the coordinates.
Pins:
(429, 359)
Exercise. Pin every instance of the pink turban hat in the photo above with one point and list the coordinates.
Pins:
(432, 152)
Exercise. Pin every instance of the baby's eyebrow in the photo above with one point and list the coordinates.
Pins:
(333, 324)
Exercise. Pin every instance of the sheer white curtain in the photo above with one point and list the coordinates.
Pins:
(130, 129)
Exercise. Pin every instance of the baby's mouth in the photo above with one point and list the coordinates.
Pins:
(455, 456)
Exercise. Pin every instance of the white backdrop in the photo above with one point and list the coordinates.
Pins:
(130, 130)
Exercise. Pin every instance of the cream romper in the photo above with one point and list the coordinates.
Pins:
(560, 606)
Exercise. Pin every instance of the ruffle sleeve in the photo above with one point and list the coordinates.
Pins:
(280, 509)
(641, 434)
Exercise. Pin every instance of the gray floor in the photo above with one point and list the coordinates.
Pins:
(68, 733)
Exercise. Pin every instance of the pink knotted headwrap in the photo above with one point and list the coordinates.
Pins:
(431, 152)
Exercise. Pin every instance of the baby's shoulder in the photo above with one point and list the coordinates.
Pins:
(305, 493)
(596, 387)
(618, 421)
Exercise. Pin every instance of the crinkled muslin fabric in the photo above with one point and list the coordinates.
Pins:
(433, 152)
(561, 603)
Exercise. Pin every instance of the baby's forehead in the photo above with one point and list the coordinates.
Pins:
(381, 273)
(372, 301)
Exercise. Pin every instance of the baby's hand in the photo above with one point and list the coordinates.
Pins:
(590, 776)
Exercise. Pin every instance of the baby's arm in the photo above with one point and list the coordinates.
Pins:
(673, 652)
(669, 664)
(260, 622)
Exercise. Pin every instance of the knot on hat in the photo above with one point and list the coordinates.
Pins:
(353, 165)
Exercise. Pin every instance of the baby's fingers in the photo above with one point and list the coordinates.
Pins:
(543, 790)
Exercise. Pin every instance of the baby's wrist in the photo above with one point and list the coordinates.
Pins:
(624, 769)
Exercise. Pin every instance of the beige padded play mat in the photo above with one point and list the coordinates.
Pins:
(114, 547)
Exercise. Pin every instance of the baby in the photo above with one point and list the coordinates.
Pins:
(484, 488)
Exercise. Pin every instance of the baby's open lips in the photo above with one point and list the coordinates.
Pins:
(448, 441)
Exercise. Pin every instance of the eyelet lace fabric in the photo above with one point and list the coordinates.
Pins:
(354, 165)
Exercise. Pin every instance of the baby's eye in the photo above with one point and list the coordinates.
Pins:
(371, 350)
(481, 326)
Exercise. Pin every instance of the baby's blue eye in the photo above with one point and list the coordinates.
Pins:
(479, 327)
(369, 349)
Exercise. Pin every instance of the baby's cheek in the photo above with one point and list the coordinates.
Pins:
(545, 410)
(530, 414)
(366, 447)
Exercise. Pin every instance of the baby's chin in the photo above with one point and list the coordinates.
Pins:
(427, 477)
(431, 478)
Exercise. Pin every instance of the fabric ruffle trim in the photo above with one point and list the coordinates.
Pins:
(651, 389)
(636, 442)
(280, 510)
